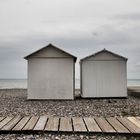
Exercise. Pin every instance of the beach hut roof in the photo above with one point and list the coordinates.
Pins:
(104, 50)
(46, 47)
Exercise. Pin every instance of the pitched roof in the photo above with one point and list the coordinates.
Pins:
(104, 50)
(50, 45)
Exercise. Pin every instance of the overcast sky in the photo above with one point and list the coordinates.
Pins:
(80, 27)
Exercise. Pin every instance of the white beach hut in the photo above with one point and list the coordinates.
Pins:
(51, 74)
(103, 74)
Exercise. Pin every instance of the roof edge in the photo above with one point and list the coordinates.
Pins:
(49, 45)
(103, 50)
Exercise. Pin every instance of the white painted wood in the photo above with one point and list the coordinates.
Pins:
(50, 78)
(104, 77)
(51, 74)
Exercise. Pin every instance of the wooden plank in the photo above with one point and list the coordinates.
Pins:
(65, 124)
(92, 125)
(117, 125)
(5, 121)
(52, 124)
(31, 123)
(134, 120)
(78, 125)
(129, 125)
(104, 125)
(1, 118)
(11, 123)
(107, 125)
(21, 124)
(41, 123)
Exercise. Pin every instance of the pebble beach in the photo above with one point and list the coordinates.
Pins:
(14, 102)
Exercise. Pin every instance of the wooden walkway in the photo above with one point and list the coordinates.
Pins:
(123, 125)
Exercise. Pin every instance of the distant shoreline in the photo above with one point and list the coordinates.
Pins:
(22, 83)
(27, 79)
(128, 87)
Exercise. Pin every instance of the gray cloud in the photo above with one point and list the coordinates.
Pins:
(78, 27)
(130, 16)
(12, 53)
(138, 64)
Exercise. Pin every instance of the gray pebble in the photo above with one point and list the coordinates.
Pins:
(14, 102)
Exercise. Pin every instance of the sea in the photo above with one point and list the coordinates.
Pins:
(22, 83)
